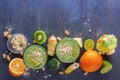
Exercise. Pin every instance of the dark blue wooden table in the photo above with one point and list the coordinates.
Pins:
(54, 16)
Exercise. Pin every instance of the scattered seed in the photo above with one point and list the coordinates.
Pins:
(43, 69)
(8, 58)
(33, 70)
(9, 28)
(37, 71)
(33, 41)
(21, 53)
(10, 53)
(86, 73)
(61, 72)
(28, 44)
(100, 53)
(67, 33)
(5, 33)
(26, 74)
(65, 76)
(58, 39)
(8, 36)
(45, 77)
(27, 69)
(4, 56)
(6, 51)
(103, 53)
(90, 30)
(49, 75)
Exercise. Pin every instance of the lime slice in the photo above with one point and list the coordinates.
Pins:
(107, 66)
(89, 44)
(40, 37)
(33, 62)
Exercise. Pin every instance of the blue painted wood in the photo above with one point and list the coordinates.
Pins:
(54, 16)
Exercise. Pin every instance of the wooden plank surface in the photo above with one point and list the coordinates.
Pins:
(54, 16)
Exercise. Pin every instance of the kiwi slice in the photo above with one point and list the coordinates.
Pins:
(107, 66)
(40, 37)
(68, 50)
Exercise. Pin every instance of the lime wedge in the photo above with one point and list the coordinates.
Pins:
(33, 62)
(89, 44)
(107, 66)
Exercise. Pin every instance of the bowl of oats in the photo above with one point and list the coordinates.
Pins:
(17, 43)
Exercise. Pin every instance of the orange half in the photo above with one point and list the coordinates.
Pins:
(16, 67)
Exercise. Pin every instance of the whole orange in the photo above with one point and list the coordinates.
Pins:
(91, 61)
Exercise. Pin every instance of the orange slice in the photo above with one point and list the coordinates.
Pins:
(16, 67)
(89, 44)
(91, 61)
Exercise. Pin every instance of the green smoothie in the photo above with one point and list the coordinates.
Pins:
(68, 50)
(35, 57)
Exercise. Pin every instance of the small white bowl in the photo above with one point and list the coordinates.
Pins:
(9, 45)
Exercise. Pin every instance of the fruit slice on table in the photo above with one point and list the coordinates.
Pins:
(35, 57)
(89, 44)
(53, 64)
(67, 50)
(40, 37)
(16, 67)
(107, 66)
(91, 61)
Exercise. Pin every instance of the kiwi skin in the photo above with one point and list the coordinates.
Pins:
(42, 39)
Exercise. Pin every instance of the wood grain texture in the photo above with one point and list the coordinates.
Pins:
(54, 16)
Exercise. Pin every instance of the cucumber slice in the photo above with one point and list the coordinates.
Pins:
(40, 37)
(53, 64)
(107, 66)
(68, 50)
